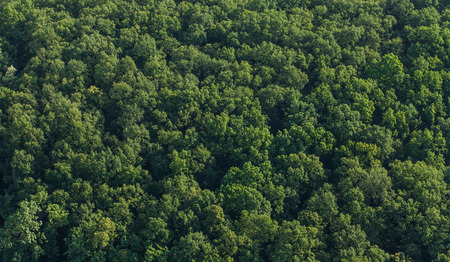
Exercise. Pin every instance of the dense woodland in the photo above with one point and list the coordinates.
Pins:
(221, 130)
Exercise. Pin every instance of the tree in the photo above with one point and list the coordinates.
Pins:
(194, 247)
(349, 242)
(295, 243)
(91, 238)
(238, 198)
(323, 202)
(21, 236)
(389, 71)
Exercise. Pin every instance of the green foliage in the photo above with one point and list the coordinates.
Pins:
(295, 243)
(91, 238)
(21, 237)
(194, 247)
(214, 130)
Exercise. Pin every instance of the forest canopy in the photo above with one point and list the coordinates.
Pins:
(224, 130)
